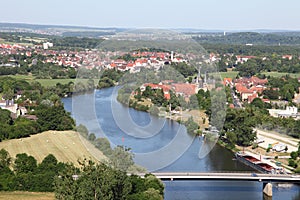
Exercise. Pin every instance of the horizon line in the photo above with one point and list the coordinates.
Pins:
(163, 28)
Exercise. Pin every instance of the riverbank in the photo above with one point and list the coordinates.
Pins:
(280, 159)
(198, 117)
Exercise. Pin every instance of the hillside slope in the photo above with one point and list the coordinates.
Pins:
(66, 146)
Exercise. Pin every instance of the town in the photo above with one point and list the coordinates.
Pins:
(252, 113)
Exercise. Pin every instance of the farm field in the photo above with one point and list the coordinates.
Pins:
(20, 195)
(66, 146)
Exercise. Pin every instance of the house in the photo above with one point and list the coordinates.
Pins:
(252, 97)
(243, 91)
(185, 89)
(249, 88)
(243, 59)
(2, 103)
(289, 57)
(227, 81)
(165, 88)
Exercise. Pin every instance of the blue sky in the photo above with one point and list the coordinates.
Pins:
(209, 14)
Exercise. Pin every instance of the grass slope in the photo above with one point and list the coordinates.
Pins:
(66, 146)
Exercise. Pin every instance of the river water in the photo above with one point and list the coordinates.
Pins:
(167, 148)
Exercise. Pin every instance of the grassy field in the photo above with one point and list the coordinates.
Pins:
(51, 82)
(280, 74)
(229, 74)
(66, 146)
(233, 74)
(20, 195)
(23, 77)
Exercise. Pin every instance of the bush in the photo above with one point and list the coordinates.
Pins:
(294, 155)
(254, 146)
(292, 163)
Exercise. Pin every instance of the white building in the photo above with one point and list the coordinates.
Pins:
(290, 111)
(47, 45)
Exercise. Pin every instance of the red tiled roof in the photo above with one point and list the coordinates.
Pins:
(167, 96)
(227, 81)
(187, 89)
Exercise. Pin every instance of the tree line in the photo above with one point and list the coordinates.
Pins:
(250, 38)
(89, 181)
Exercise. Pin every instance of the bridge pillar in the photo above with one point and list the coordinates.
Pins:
(267, 189)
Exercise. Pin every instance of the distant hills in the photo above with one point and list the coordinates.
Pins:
(254, 37)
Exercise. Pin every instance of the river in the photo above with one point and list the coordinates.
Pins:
(167, 147)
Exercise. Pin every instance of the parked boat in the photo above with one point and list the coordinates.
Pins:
(257, 163)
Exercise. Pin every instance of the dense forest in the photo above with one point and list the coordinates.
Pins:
(255, 38)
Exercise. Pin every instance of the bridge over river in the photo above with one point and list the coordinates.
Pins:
(267, 179)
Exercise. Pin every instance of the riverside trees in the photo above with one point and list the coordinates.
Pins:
(90, 181)
(239, 126)
(99, 181)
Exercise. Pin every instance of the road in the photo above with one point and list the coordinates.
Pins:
(225, 176)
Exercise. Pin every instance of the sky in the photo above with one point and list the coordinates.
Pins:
(199, 14)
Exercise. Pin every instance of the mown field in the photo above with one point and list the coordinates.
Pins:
(20, 195)
(66, 146)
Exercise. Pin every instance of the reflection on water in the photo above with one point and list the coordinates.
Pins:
(101, 122)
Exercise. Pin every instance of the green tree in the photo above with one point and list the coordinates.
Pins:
(24, 163)
(103, 145)
(92, 137)
(240, 123)
(257, 102)
(154, 110)
(152, 182)
(5, 161)
(65, 185)
(54, 118)
(121, 158)
(94, 181)
(191, 126)
(82, 130)
(294, 155)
